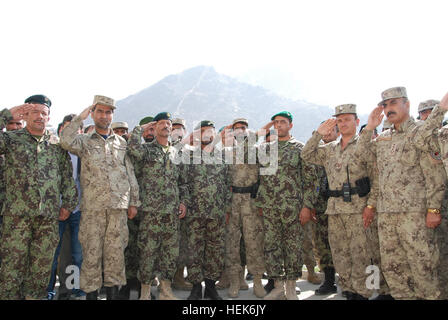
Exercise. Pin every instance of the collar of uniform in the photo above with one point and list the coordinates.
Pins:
(352, 140)
(95, 134)
(405, 126)
(45, 136)
(158, 145)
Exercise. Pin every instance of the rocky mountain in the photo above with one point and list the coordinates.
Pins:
(201, 93)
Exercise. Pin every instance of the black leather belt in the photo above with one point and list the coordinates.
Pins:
(339, 193)
(242, 189)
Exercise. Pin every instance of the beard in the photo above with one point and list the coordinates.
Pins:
(104, 125)
(148, 138)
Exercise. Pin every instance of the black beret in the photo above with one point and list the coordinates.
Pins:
(39, 99)
(162, 116)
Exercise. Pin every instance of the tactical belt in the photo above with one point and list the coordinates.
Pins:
(339, 193)
(242, 189)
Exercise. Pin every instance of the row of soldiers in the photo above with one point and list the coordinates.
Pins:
(156, 200)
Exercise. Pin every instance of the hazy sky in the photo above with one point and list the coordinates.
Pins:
(330, 52)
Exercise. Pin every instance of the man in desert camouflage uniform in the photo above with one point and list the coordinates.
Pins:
(39, 187)
(352, 246)
(434, 141)
(244, 221)
(320, 236)
(164, 197)
(408, 204)
(282, 194)
(209, 186)
(109, 197)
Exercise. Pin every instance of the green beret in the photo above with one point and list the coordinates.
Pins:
(285, 114)
(146, 120)
(222, 128)
(162, 116)
(39, 99)
(204, 123)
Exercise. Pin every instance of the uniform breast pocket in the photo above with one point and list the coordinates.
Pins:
(94, 153)
(119, 153)
(409, 155)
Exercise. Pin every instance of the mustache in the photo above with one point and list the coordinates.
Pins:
(390, 113)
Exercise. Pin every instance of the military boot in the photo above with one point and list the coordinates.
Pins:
(112, 293)
(259, 291)
(125, 291)
(165, 291)
(179, 282)
(224, 282)
(328, 286)
(269, 286)
(312, 277)
(196, 292)
(145, 292)
(278, 293)
(92, 295)
(210, 290)
(243, 283)
(234, 288)
(290, 290)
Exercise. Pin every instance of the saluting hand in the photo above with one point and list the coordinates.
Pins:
(375, 118)
(85, 113)
(19, 111)
(444, 102)
(327, 127)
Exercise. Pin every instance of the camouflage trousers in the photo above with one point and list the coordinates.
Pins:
(244, 223)
(206, 239)
(27, 245)
(321, 243)
(158, 245)
(409, 255)
(103, 236)
(441, 233)
(283, 237)
(131, 254)
(308, 244)
(184, 251)
(353, 249)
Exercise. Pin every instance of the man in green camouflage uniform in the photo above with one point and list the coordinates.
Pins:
(39, 186)
(179, 283)
(284, 190)
(433, 139)
(109, 197)
(131, 254)
(209, 186)
(164, 196)
(409, 200)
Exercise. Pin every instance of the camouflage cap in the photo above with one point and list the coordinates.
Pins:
(119, 124)
(387, 125)
(39, 99)
(344, 108)
(427, 105)
(179, 121)
(393, 93)
(162, 116)
(240, 120)
(145, 120)
(285, 114)
(104, 101)
(204, 123)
